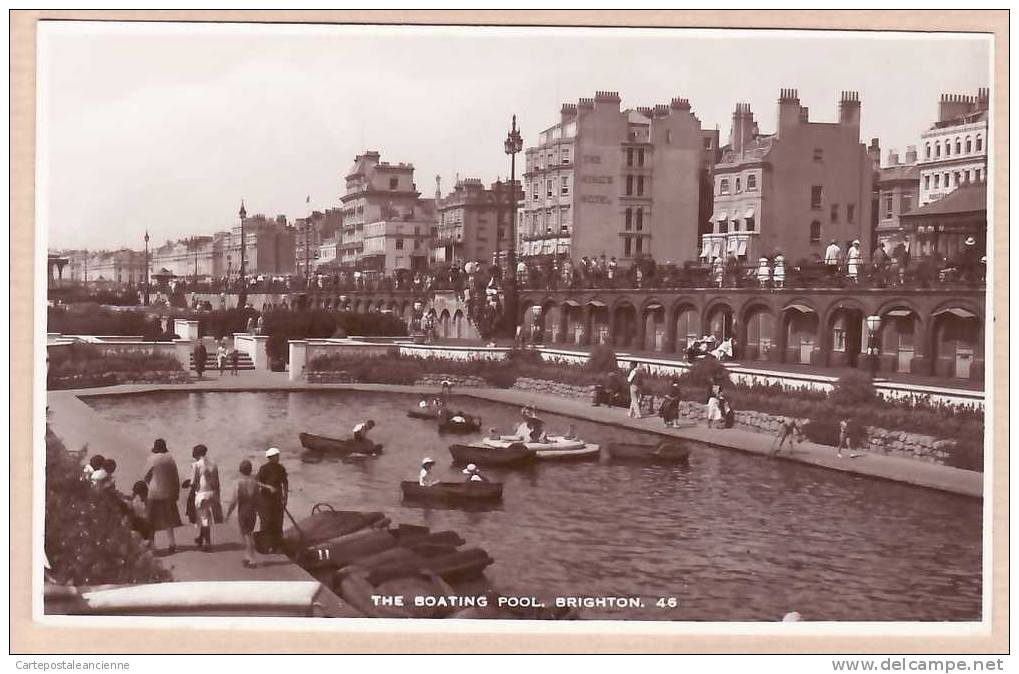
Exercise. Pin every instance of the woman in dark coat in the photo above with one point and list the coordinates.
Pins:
(163, 480)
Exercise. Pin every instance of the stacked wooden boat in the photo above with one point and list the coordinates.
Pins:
(508, 450)
(359, 555)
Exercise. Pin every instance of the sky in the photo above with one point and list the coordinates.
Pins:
(166, 127)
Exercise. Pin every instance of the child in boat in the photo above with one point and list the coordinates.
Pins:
(245, 500)
(493, 434)
(472, 473)
(571, 433)
(360, 431)
(425, 477)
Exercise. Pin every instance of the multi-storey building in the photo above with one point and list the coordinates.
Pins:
(473, 221)
(794, 190)
(196, 256)
(380, 192)
(311, 233)
(954, 150)
(269, 246)
(117, 266)
(623, 183)
(940, 228)
(898, 189)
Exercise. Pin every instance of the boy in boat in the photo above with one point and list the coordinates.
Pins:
(425, 477)
(471, 471)
(571, 433)
(787, 430)
(360, 431)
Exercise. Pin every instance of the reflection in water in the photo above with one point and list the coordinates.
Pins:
(733, 536)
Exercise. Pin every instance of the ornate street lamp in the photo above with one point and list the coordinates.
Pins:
(512, 145)
(873, 324)
(242, 297)
(146, 267)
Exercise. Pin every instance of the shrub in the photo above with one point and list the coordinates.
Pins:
(854, 388)
(703, 374)
(88, 359)
(965, 455)
(603, 359)
(500, 378)
(278, 350)
(87, 539)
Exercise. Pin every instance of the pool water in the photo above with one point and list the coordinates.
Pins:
(732, 537)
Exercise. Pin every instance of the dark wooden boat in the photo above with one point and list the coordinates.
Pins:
(666, 451)
(460, 564)
(326, 523)
(342, 550)
(453, 492)
(514, 455)
(470, 424)
(320, 443)
(429, 412)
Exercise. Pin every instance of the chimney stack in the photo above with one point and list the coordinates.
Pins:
(955, 105)
(893, 157)
(788, 110)
(849, 109)
(910, 155)
(742, 130)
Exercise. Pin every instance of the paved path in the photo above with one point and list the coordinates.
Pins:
(86, 426)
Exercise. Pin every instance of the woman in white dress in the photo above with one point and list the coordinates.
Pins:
(714, 411)
(779, 273)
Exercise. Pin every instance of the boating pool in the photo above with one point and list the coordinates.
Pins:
(732, 537)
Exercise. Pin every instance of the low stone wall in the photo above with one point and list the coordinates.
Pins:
(458, 381)
(115, 378)
(326, 377)
(554, 388)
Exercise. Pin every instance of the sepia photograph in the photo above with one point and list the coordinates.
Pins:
(375, 326)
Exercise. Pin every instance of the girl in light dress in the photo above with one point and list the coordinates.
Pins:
(221, 356)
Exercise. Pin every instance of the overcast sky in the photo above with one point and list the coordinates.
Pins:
(167, 127)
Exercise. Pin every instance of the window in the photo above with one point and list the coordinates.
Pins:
(748, 224)
(639, 245)
(980, 175)
(969, 144)
(937, 180)
(564, 187)
(958, 146)
(723, 226)
(958, 178)
(399, 244)
(417, 244)
(535, 186)
(393, 183)
(980, 143)
(723, 186)
(850, 213)
(751, 182)
(834, 212)
(707, 143)
(815, 232)
(906, 203)
(815, 197)
(548, 188)
(937, 149)
(927, 182)
(640, 219)
(818, 154)
(627, 246)
(566, 155)
(946, 180)
(738, 187)
(640, 157)
(629, 156)
(928, 150)
(640, 184)
(888, 205)
(948, 148)
(628, 219)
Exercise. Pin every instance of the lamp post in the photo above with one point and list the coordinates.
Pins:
(146, 267)
(512, 145)
(873, 324)
(307, 253)
(242, 297)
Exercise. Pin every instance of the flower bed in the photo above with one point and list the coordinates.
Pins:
(94, 379)
(85, 365)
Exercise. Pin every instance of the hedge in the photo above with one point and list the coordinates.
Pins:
(92, 320)
(87, 359)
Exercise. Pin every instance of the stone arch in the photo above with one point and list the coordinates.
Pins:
(553, 322)
(459, 327)
(719, 319)
(444, 324)
(844, 332)
(653, 325)
(957, 341)
(799, 329)
(685, 323)
(624, 324)
(598, 322)
(900, 337)
(758, 337)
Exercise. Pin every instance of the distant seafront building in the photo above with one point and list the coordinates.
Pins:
(311, 233)
(472, 221)
(898, 189)
(953, 150)
(111, 266)
(792, 191)
(386, 224)
(622, 183)
(269, 246)
(200, 256)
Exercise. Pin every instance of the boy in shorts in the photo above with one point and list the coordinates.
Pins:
(245, 499)
(787, 430)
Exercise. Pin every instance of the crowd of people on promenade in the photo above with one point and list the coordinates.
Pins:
(840, 264)
(153, 504)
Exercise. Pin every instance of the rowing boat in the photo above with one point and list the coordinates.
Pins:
(453, 492)
(553, 447)
(512, 455)
(320, 443)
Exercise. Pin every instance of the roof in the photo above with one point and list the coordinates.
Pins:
(900, 172)
(969, 198)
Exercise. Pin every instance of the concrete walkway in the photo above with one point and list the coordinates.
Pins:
(77, 425)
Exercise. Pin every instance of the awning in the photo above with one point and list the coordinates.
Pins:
(802, 308)
(597, 303)
(749, 213)
(716, 250)
(742, 249)
(707, 249)
(572, 303)
(720, 216)
(957, 311)
(731, 243)
(653, 306)
(899, 312)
